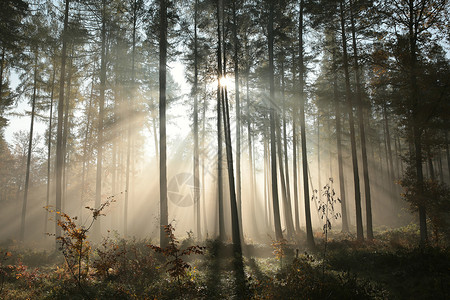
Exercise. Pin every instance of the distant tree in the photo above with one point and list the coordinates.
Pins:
(416, 19)
(12, 13)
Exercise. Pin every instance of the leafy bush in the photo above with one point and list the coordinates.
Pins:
(434, 196)
(177, 267)
(302, 279)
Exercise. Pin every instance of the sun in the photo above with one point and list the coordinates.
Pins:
(223, 81)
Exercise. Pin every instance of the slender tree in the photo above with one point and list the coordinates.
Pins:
(30, 142)
(273, 151)
(219, 122)
(362, 132)
(164, 212)
(238, 112)
(196, 143)
(359, 227)
(49, 146)
(59, 154)
(101, 115)
(337, 108)
(309, 233)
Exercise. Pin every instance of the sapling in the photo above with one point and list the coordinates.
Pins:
(177, 266)
(278, 250)
(327, 213)
(73, 242)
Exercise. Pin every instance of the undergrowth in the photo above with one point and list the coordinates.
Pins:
(390, 267)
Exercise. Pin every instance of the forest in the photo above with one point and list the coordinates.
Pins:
(224, 149)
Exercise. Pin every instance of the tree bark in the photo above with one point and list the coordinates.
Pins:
(417, 131)
(388, 142)
(129, 115)
(319, 184)
(30, 144)
(295, 109)
(276, 207)
(2, 68)
(203, 195)
(337, 109)
(447, 152)
(285, 198)
(98, 181)
(238, 115)
(196, 151)
(362, 131)
(222, 236)
(309, 232)
(286, 161)
(359, 227)
(250, 159)
(397, 154)
(85, 146)
(66, 129)
(236, 236)
(59, 154)
(441, 170)
(49, 148)
(164, 213)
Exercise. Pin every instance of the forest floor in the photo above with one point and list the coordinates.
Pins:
(390, 267)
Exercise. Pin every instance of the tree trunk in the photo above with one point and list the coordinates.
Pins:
(222, 236)
(66, 129)
(359, 227)
(286, 161)
(155, 137)
(309, 232)
(164, 213)
(337, 109)
(49, 148)
(388, 142)
(285, 198)
(362, 131)
(203, 195)
(236, 236)
(59, 154)
(447, 152)
(397, 153)
(196, 151)
(129, 115)
(30, 144)
(250, 161)
(294, 175)
(238, 116)
(98, 181)
(85, 146)
(276, 207)
(294, 150)
(441, 170)
(319, 184)
(400, 152)
(2, 68)
(417, 131)
(430, 165)
(235, 223)
(266, 188)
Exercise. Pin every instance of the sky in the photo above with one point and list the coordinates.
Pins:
(181, 127)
